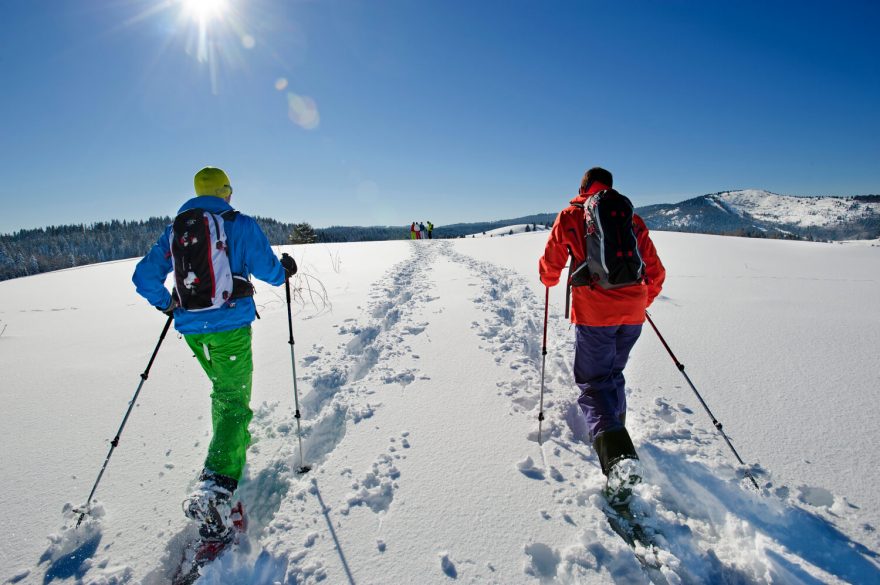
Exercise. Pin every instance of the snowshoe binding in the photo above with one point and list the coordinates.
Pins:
(220, 522)
(206, 549)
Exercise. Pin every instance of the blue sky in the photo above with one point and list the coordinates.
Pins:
(382, 112)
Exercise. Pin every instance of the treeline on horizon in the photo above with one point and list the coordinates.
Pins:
(34, 251)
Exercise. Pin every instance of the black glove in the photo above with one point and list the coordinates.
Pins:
(172, 304)
(289, 264)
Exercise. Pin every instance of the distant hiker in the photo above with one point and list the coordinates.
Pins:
(418, 231)
(213, 308)
(423, 230)
(412, 231)
(608, 311)
(430, 230)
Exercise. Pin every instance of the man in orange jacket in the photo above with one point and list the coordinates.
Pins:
(607, 324)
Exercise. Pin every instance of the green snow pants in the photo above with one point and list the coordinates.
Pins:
(227, 359)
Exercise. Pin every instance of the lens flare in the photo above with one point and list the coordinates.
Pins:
(303, 111)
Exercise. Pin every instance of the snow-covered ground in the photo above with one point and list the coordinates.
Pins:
(419, 393)
(510, 230)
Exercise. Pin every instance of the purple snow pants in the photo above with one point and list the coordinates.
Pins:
(599, 358)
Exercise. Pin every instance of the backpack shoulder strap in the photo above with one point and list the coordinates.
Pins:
(241, 284)
(571, 266)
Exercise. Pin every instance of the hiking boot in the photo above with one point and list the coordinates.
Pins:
(613, 446)
(623, 476)
(210, 504)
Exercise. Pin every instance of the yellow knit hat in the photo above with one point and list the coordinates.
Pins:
(212, 181)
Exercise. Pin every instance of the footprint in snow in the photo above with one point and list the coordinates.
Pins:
(527, 468)
(403, 378)
(376, 489)
(447, 566)
(543, 560)
(815, 496)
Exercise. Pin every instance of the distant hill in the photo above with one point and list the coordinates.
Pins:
(759, 213)
(512, 230)
(456, 230)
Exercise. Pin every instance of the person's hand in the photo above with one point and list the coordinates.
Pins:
(289, 264)
(548, 282)
(172, 304)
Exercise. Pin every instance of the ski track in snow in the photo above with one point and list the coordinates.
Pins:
(710, 527)
(338, 389)
(714, 529)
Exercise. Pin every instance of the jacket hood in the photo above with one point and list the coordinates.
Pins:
(581, 197)
(206, 202)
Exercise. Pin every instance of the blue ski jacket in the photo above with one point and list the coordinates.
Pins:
(249, 254)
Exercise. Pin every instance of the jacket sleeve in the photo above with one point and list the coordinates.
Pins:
(150, 273)
(259, 258)
(555, 253)
(655, 273)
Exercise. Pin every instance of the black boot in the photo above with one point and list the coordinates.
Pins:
(619, 462)
(612, 446)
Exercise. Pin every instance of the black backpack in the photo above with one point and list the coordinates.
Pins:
(203, 276)
(610, 244)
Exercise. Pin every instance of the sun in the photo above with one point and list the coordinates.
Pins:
(216, 33)
(205, 10)
(209, 27)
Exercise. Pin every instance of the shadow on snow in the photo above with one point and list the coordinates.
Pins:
(72, 563)
(702, 494)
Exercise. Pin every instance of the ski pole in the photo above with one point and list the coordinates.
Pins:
(115, 441)
(543, 362)
(715, 422)
(303, 468)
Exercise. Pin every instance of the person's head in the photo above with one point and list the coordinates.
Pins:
(214, 182)
(596, 175)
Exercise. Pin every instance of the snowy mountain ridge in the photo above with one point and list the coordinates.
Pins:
(759, 212)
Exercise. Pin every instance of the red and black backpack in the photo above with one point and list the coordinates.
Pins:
(203, 276)
(611, 251)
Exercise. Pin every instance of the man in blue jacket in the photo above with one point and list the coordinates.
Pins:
(219, 330)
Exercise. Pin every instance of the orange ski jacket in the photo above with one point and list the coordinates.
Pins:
(596, 306)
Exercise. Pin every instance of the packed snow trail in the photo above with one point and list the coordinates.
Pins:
(717, 529)
(420, 423)
(707, 540)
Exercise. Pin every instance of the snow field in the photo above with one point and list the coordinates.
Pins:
(419, 395)
(505, 231)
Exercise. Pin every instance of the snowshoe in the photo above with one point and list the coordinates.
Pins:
(209, 546)
(210, 506)
(623, 476)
